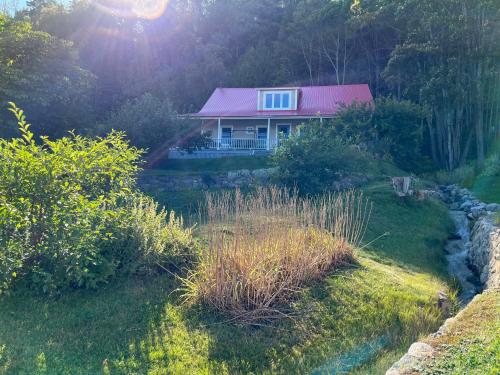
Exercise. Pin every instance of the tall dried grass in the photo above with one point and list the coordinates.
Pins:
(261, 248)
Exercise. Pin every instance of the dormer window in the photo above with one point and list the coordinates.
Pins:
(277, 100)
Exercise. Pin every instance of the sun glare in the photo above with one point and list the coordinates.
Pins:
(147, 9)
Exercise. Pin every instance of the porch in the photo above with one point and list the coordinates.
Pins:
(247, 134)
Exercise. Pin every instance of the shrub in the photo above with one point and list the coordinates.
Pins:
(69, 215)
(156, 238)
(262, 248)
(148, 121)
(344, 144)
(317, 158)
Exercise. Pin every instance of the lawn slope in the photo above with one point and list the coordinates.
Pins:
(472, 343)
(367, 313)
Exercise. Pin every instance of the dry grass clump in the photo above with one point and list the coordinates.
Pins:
(261, 248)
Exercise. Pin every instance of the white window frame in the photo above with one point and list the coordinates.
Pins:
(273, 93)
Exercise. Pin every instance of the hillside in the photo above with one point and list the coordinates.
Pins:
(367, 313)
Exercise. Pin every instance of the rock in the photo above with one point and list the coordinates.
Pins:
(409, 362)
(493, 207)
(264, 174)
(484, 252)
(477, 211)
(232, 175)
(455, 206)
(466, 205)
(444, 303)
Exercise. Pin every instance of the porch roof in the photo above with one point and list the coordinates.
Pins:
(313, 101)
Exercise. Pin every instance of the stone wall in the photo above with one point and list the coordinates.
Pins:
(230, 180)
(484, 252)
(227, 180)
(484, 249)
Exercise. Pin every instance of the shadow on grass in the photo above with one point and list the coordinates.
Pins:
(139, 325)
(327, 331)
(82, 331)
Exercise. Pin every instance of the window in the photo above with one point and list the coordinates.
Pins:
(262, 133)
(277, 100)
(226, 133)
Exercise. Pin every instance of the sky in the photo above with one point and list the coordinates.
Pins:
(22, 3)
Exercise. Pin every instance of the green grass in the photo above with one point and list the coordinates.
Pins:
(172, 167)
(141, 326)
(473, 344)
(487, 188)
(418, 249)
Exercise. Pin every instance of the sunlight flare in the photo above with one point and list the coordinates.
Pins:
(147, 9)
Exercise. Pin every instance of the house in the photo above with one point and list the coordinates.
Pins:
(259, 118)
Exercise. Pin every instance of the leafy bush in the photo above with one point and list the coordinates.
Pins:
(348, 142)
(148, 121)
(69, 215)
(155, 237)
(317, 158)
(390, 128)
(263, 247)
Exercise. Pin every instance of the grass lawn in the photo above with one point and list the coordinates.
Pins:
(473, 346)
(140, 325)
(201, 166)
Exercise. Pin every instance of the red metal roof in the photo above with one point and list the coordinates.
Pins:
(313, 101)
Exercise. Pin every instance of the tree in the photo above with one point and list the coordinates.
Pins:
(41, 72)
(449, 62)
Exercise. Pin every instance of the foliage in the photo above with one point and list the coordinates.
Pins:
(65, 205)
(441, 54)
(492, 166)
(325, 151)
(461, 176)
(156, 238)
(194, 141)
(148, 121)
(41, 73)
(389, 298)
(448, 61)
(317, 158)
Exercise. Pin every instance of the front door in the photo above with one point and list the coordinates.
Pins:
(226, 136)
(261, 137)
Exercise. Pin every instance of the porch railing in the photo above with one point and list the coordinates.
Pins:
(238, 144)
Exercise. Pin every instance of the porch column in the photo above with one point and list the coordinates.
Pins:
(321, 120)
(268, 132)
(218, 134)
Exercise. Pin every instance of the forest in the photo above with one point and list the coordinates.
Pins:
(96, 65)
(340, 251)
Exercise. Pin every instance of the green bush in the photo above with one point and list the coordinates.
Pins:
(389, 129)
(69, 214)
(155, 238)
(148, 121)
(317, 158)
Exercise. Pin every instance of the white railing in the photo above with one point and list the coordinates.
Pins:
(238, 144)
